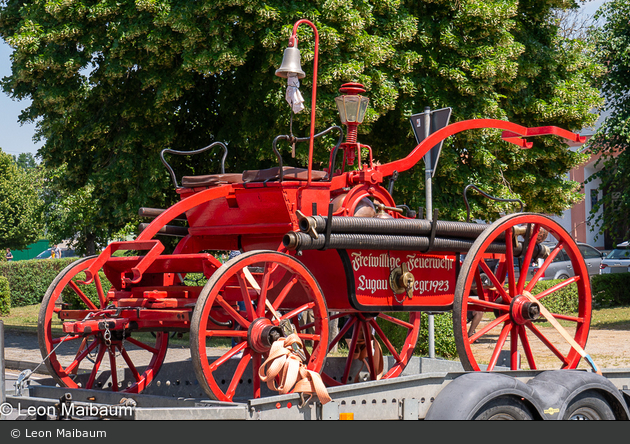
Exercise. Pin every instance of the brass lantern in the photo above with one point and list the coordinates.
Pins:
(352, 108)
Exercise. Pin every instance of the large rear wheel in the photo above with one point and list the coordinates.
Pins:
(493, 288)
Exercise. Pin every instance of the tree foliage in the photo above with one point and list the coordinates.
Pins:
(20, 211)
(25, 161)
(73, 216)
(114, 83)
(612, 140)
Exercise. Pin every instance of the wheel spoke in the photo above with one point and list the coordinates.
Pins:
(527, 347)
(256, 363)
(488, 328)
(97, 364)
(285, 291)
(351, 351)
(396, 321)
(385, 340)
(487, 304)
(557, 287)
(509, 264)
(262, 294)
(211, 333)
(142, 345)
(297, 311)
(113, 367)
(497, 284)
(546, 341)
(233, 313)
(531, 244)
(249, 307)
(351, 321)
(227, 356)
(81, 357)
(563, 317)
(238, 373)
(367, 335)
(132, 367)
(481, 292)
(514, 347)
(543, 268)
(499, 346)
(90, 305)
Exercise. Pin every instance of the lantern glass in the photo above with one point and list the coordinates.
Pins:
(351, 108)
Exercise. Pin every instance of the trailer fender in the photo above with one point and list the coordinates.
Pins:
(556, 390)
(470, 394)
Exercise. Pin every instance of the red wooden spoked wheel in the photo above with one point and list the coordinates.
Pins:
(234, 306)
(376, 327)
(492, 288)
(86, 360)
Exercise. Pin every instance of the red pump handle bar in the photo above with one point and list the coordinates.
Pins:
(512, 133)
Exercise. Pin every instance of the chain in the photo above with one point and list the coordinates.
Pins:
(107, 336)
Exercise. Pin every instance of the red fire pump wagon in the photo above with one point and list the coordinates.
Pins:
(316, 246)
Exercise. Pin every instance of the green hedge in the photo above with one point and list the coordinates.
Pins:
(611, 290)
(5, 296)
(563, 301)
(443, 334)
(30, 279)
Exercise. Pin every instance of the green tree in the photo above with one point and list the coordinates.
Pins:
(114, 83)
(613, 138)
(73, 215)
(25, 160)
(20, 211)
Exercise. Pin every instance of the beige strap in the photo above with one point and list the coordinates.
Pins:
(562, 331)
(284, 371)
(360, 352)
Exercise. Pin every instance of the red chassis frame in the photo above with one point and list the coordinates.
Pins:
(255, 216)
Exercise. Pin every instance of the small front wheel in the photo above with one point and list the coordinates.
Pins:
(92, 359)
(245, 301)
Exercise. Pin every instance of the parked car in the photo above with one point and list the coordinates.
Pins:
(561, 268)
(48, 252)
(617, 261)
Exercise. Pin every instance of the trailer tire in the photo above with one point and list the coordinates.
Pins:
(589, 405)
(566, 394)
(503, 408)
(481, 395)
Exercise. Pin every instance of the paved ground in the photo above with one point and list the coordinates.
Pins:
(21, 351)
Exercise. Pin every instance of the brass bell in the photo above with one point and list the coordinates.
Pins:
(291, 64)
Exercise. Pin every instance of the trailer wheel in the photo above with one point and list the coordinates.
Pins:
(509, 318)
(503, 408)
(81, 360)
(589, 405)
(356, 328)
(234, 305)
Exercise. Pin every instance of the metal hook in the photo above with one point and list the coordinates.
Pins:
(489, 197)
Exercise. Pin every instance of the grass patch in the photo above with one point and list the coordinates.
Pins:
(617, 318)
(22, 319)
